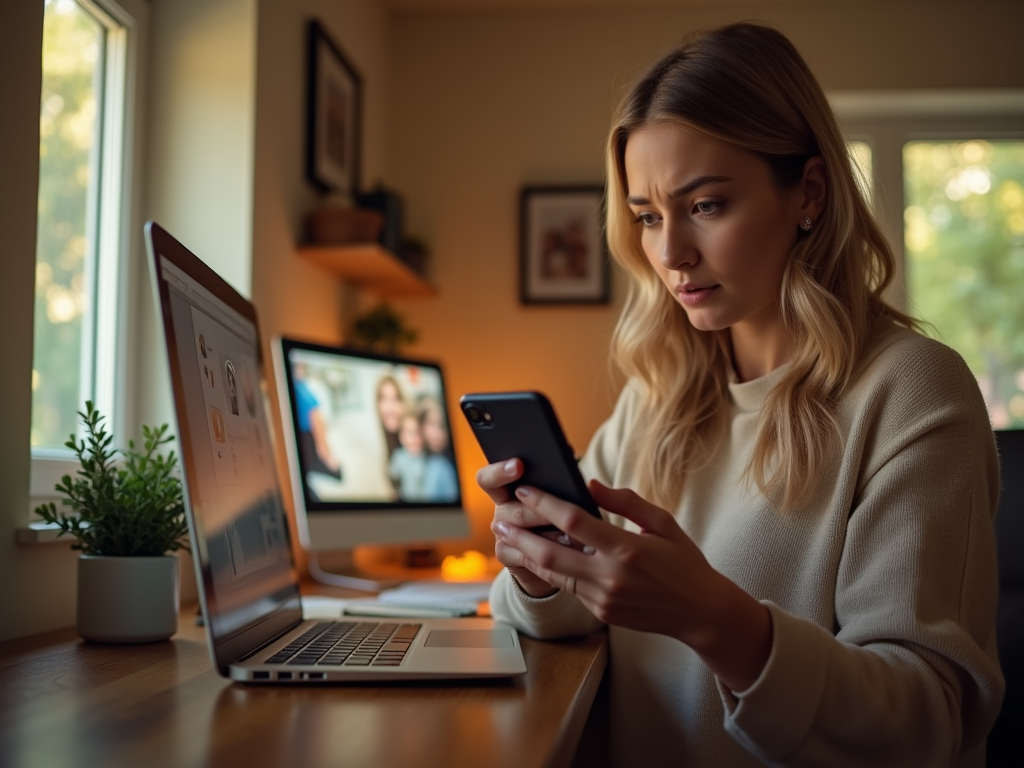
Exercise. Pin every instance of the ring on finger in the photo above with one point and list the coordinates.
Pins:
(570, 585)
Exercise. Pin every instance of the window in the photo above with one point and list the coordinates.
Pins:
(84, 152)
(949, 185)
(964, 244)
(78, 242)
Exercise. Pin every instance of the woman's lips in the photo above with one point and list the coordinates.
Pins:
(691, 295)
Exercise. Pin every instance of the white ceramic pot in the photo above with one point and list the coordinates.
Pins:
(127, 599)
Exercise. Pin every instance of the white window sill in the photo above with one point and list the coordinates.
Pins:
(48, 467)
(42, 533)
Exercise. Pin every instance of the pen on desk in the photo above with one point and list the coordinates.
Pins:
(407, 611)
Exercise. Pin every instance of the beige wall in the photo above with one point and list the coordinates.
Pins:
(485, 102)
(199, 160)
(462, 108)
(293, 297)
(202, 127)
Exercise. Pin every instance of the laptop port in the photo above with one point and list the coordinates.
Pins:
(284, 675)
(260, 675)
(313, 675)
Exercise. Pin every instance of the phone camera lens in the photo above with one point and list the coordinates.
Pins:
(479, 416)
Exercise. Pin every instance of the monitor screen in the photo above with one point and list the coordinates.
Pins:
(366, 433)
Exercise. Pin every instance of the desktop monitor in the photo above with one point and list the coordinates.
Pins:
(369, 447)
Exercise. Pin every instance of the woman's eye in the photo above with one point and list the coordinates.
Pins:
(647, 219)
(708, 208)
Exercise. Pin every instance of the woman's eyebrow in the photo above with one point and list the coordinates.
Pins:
(686, 189)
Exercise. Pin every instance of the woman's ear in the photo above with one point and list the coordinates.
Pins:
(812, 190)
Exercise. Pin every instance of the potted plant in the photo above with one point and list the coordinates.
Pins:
(128, 517)
(382, 330)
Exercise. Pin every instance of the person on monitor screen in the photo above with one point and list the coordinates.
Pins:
(409, 461)
(391, 406)
(796, 560)
(314, 447)
(440, 481)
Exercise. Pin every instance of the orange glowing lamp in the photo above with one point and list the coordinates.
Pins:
(469, 566)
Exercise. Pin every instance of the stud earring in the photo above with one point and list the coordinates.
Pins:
(807, 225)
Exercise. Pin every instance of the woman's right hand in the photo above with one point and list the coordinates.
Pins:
(495, 479)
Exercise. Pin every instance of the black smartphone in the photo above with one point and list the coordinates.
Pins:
(523, 425)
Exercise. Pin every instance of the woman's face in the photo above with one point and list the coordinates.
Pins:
(389, 406)
(714, 225)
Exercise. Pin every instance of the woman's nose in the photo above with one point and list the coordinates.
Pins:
(678, 250)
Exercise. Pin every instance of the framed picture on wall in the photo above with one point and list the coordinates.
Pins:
(334, 114)
(562, 251)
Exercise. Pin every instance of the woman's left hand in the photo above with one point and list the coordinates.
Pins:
(653, 581)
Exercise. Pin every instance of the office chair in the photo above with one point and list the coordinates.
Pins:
(1005, 746)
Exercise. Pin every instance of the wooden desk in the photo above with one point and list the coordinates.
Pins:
(64, 702)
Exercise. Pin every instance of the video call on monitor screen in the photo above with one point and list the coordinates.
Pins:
(370, 432)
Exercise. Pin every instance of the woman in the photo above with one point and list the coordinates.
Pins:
(797, 565)
(390, 408)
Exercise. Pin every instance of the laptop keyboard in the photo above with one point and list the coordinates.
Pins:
(349, 643)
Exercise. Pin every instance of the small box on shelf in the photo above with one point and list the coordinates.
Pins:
(336, 225)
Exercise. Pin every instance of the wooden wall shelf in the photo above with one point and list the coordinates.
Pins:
(370, 266)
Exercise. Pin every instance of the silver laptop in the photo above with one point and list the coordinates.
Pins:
(248, 581)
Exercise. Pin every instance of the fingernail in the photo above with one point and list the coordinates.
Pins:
(510, 467)
(522, 491)
(503, 528)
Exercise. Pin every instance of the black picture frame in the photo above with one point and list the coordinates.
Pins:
(334, 108)
(563, 254)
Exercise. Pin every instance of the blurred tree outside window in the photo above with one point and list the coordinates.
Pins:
(964, 242)
(71, 122)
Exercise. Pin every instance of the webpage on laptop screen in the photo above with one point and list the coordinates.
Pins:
(230, 469)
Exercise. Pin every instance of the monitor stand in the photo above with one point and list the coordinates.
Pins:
(344, 573)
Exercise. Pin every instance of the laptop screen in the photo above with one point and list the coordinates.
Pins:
(238, 522)
(372, 432)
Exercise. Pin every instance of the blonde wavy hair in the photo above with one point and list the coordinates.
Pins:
(746, 84)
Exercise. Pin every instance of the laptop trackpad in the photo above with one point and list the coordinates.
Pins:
(469, 638)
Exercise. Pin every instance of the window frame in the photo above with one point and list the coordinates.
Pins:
(888, 120)
(113, 221)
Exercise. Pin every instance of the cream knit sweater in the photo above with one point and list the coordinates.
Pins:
(882, 586)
